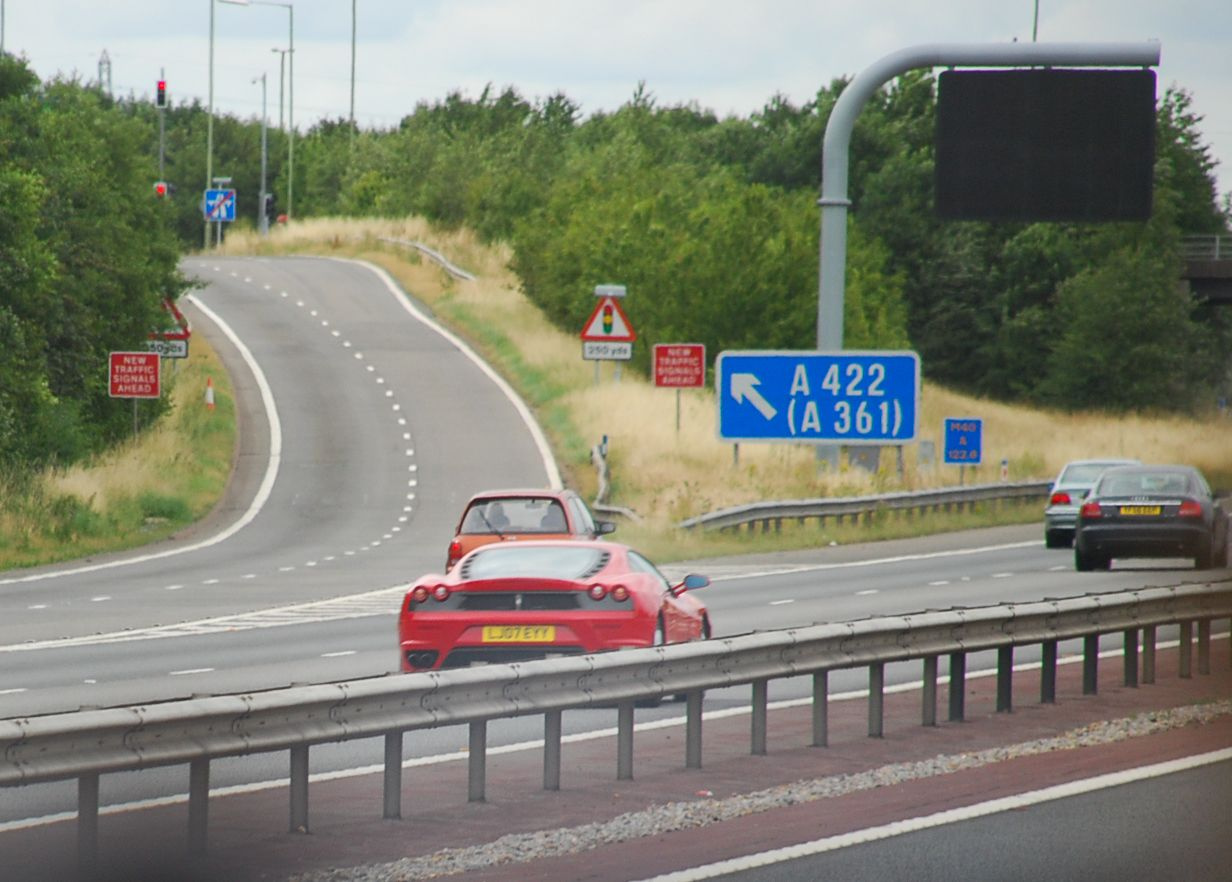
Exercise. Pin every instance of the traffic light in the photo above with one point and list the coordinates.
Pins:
(160, 99)
(160, 189)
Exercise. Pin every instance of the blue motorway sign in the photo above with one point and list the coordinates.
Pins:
(964, 440)
(847, 397)
(219, 205)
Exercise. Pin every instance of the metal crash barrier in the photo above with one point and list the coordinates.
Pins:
(91, 743)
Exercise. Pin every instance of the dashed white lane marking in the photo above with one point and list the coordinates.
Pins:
(102, 598)
(782, 602)
(189, 671)
(12, 691)
(939, 583)
(339, 654)
(37, 606)
(939, 819)
(866, 592)
(1001, 575)
(172, 587)
(383, 601)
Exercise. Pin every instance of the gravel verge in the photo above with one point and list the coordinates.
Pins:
(677, 816)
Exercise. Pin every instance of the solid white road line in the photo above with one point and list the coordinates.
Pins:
(952, 816)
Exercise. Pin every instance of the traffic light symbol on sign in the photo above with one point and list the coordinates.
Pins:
(607, 318)
(161, 94)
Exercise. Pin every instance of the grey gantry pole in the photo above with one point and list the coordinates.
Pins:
(837, 142)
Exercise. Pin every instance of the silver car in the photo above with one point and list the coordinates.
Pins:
(1066, 495)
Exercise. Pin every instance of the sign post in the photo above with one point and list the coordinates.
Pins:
(849, 397)
(679, 366)
(134, 375)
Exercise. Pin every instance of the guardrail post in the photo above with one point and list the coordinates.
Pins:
(1186, 650)
(551, 750)
(299, 788)
(1148, 654)
(1130, 657)
(876, 699)
(929, 710)
(958, 685)
(87, 824)
(1005, 679)
(693, 729)
(1204, 646)
(821, 708)
(624, 741)
(1048, 672)
(477, 784)
(1090, 664)
(392, 809)
(761, 693)
(198, 805)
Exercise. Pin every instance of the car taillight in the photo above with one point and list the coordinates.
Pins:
(597, 591)
(1060, 498)
(440, 592)
(1190, 509)
(419, 594)
(455, 553)
(620, 593)
(1090, 510)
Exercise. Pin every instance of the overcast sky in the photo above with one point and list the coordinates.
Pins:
(729, 56)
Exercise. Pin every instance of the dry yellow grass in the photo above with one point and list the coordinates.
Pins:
(666, 475)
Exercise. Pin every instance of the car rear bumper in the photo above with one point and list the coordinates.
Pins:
(449, 641)
(1145, 540)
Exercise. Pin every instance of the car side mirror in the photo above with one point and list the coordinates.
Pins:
(693, 581)
(602, 528)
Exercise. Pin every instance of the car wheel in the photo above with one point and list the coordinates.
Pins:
(660, 639)
(1221, 555)
(1082, 561)
(1202, 560)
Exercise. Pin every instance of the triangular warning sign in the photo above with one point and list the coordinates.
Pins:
(608, 323)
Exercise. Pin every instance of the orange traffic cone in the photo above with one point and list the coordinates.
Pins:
(209, 392)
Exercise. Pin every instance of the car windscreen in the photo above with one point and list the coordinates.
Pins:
(1144, 483)
(545, 561)
(521, 514)
(1083, 473)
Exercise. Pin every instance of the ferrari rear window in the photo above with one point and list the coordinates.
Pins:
(510, 560)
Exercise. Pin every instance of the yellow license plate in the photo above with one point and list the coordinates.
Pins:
(1140, 509)
(519, 633)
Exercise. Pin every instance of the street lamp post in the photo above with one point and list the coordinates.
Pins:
(291, 91)
(262, 216)
(353, 70)
(282, 64)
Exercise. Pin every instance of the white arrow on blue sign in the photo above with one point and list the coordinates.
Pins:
(848, 397)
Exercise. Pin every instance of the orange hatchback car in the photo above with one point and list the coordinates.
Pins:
(504, 515)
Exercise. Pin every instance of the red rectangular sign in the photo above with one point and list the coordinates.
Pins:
(680, 365)
(134, 375)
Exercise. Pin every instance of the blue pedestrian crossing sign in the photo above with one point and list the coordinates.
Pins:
(219, 205)
(847, 397)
